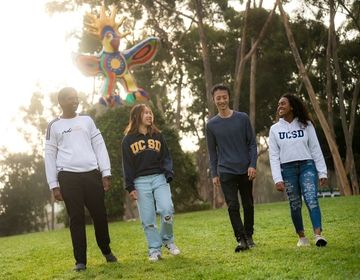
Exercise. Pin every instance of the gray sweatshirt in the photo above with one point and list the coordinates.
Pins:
(231, 144)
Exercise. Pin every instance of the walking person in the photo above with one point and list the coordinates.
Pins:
(78, 172)
(148, 170)
(233, 154)
(297, 164)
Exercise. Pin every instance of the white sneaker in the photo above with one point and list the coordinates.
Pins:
(303, 241)
(172, 248)
(155, 256)
(320, 241)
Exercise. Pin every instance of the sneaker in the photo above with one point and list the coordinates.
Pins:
(79, 267)
(242, 246)
(155, 256)
(110, 258)
(250, 242)
(303, 241)
(320, 241)
(173, 249)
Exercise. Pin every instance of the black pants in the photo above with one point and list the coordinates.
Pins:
(231, 185)
(79, 190)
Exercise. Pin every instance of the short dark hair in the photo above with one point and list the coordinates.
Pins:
(220, 87)
(64, 92)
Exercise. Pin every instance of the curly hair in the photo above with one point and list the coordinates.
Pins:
(299, 108)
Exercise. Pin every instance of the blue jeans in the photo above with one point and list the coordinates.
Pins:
(154, 196)
(300, 178)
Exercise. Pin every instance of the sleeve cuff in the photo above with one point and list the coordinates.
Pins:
(53, 185)
(106, 173)
(278, 180)
(169, 176)
(130, 188)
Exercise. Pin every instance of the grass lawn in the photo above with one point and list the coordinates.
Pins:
(207, 244)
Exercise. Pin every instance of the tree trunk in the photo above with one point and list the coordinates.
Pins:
(329, 92)
(205, 57)
(324, 124)
(252, 107)
(244, 58)
(349, 163)
(242, 62)
(178, 100)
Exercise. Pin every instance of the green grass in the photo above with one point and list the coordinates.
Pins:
(207, 245)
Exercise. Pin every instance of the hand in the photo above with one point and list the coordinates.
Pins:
(106, 181)
(133, 195)
(280, 186)
(169, 179)
(251, 173)
(57, 194)
(323, 182)
(216, 181)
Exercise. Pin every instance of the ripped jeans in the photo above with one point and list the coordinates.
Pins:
(154, 197)
(300, 178)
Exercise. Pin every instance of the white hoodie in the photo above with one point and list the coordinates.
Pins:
(292, 142)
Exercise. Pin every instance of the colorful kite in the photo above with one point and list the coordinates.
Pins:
(113, 64)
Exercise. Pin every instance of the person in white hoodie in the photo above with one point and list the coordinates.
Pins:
(297, 164)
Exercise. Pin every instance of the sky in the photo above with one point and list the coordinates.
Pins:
(36, 56)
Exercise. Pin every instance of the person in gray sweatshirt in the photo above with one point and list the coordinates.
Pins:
(297, 164)
(233, 154)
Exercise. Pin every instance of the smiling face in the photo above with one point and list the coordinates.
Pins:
(69, 102)
(284, 108)
(147, 117)
(221, 99)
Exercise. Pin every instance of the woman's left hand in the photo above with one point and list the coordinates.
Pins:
(323, 182)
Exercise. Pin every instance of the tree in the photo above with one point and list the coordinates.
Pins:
(24, 194)
(331, 141)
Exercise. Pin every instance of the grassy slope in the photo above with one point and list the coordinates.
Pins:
(207, 244)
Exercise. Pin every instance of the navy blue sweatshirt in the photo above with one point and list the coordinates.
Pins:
(231, 144)
(145, 155)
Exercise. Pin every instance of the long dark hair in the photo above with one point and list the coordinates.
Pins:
(135, 120)
(299, 109)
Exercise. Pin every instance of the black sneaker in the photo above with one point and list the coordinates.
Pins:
(110, 258)
(79, 267)
(250, 242)
(242, 246)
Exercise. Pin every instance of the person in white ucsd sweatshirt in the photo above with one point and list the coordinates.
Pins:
(297, 164)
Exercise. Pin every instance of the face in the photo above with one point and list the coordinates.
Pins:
(284, 108)
(70, 102)
(147, 117)
(221, 99)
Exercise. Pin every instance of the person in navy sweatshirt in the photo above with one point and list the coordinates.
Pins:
(148, 170)
(297, 164)
(78, 172)
(233, 154)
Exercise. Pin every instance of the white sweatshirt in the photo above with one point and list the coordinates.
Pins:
(292, 142)
(74, 145)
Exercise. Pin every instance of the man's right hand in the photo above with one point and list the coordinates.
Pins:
(57, 194)
(280, 186)
(216, 181)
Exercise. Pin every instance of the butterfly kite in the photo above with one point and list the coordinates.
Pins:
(113, 64)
